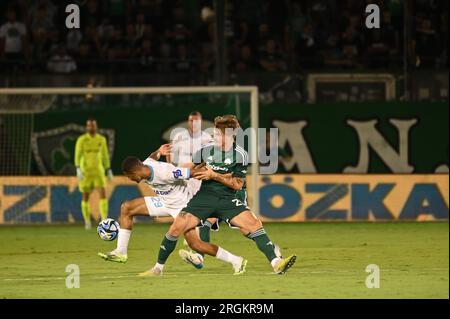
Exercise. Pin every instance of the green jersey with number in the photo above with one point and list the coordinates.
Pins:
(234, 161)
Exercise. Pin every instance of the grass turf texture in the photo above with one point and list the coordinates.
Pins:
(332, 257)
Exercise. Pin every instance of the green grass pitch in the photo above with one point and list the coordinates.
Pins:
(332, 257)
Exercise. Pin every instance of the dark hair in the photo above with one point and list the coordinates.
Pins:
(130, 164)
(195, 113)
(91, 119)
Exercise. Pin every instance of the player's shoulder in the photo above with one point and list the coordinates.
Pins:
(101, 137)
(152, 162)
(207, 147)
(205, 150)
(181, 135)
(82, 137)
(149, 161)
(206, 136)
(241, 155)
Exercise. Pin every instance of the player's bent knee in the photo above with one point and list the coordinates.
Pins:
(175, 229)
(254, 225)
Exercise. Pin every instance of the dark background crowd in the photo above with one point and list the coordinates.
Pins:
(162, 36)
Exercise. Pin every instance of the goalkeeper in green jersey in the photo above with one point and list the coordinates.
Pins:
(92, 163)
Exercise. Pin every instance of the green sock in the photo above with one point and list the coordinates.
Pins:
(205, 232)
(103, 205)
(167, 247)
(264, 244)
(86, 211)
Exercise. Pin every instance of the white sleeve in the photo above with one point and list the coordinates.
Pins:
(177, 173)
(166, 173)
(148, 161)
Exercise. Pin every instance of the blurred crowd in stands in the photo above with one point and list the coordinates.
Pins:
(168, 36)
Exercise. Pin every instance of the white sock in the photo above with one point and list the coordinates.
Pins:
(275, 262)
(159, 266)
(122, 241)
(226, 256)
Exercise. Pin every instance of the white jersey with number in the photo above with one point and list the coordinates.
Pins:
(172, 186)
(185, 145)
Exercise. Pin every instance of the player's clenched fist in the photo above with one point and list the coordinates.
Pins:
(204, 173)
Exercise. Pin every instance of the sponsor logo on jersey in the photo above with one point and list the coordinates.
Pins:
(217, 168)
(177, 173)
(157, 192)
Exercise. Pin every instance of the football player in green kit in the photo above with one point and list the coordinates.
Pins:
(224, 174)
(196, 259)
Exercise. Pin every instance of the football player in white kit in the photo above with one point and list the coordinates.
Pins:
(184, 144)
(174, 189)
(188, 141)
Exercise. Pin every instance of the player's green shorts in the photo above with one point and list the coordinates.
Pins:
(207, 204)
(89, 182)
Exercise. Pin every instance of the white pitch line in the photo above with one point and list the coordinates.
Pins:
(174, 274)
(59, 278)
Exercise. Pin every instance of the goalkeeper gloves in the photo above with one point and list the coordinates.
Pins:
(109, 173)
(80, 175)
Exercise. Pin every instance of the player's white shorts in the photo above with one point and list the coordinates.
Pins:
(156, 207)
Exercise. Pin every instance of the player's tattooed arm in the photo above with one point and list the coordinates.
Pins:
(226, 179)
(235, 183)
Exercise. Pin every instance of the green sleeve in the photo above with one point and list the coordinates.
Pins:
(240, 170)
(78, 151)
(105, 154)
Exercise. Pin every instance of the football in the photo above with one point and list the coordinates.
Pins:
(108, 229)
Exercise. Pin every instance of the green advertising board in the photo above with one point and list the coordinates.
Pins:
(313, 138)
